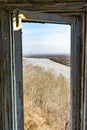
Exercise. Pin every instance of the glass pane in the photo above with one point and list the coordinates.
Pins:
(46, 76)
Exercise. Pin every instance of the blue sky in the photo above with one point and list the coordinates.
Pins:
(45, 38)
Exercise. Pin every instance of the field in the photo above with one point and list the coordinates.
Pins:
(46, 95)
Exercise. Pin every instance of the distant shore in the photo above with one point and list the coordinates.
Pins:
(61, 58)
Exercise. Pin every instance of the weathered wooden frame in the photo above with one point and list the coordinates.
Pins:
(11, 94)
(6, 73)
(76, 20)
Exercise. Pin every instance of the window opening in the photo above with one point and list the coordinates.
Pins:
(46, 76)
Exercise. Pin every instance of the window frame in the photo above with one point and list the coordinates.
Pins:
(76, 20)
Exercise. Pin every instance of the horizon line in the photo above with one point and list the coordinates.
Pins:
(45, 55)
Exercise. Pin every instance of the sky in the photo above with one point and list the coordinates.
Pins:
(45, 38)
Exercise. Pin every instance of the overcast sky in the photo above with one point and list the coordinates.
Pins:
(45, 38)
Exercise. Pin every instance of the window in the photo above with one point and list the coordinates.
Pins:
(46, 75)
(76, 64)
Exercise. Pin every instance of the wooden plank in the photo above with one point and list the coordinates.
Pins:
(1, 79)
(18, 80)
(5, 71)
(43, 1)
(45, 17)
(45, 6)
(85, 89)
(83, 70)
(76, 74)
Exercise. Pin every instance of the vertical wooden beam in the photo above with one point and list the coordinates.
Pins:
(18, 78)
(11, 88)
(5, 71)
(83, 69)
(85, 90)
(1, 83)
(76, 73)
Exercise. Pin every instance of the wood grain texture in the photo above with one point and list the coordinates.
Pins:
(45, 5)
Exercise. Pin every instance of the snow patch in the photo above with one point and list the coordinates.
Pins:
(48, 64)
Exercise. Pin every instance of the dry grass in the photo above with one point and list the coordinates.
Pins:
(46, 100)
(65, 60)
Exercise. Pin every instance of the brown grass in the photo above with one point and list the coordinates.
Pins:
(65, 60)
(46, 100)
